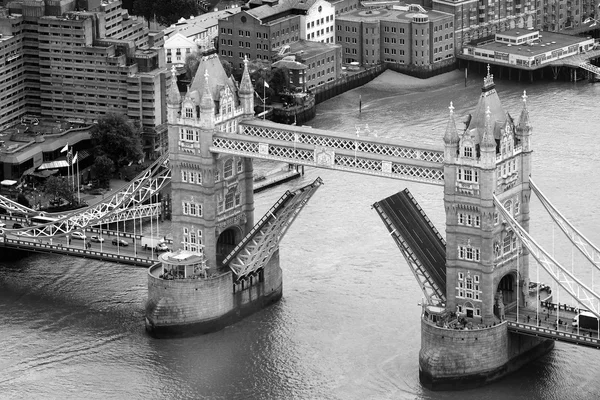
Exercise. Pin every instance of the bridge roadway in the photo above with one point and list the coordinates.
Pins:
(548, 325)
(417, 237)
(133, 254)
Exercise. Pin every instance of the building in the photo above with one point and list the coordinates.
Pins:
(34, 146)
(528, 49)
(564, 14)
(178, 47)
(207, 188)
(267, 27)
(407, 35)
(198, 33)
(63, 63)
(476, 19)
(312, 64)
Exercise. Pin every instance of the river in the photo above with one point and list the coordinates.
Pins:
(348, 324)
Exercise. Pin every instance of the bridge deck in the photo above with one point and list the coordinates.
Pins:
(419, 234)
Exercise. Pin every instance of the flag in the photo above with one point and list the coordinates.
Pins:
(70, 158)
(266, 84)
(75, 158)
(66, 148)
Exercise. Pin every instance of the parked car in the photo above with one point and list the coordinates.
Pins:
(56, 202)
(24, 233)
(97, 239)
(17, 225)
(120, 242)
(78, 235)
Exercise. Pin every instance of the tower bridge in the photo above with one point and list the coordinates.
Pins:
(475, 281)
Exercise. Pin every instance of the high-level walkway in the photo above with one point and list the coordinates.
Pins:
(418, 240)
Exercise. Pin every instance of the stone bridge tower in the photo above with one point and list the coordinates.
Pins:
(491, 156)
(487, 271)
(213, 204)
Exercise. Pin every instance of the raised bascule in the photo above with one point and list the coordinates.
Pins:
(475, 325)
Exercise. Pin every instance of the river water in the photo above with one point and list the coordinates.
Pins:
(348, 324)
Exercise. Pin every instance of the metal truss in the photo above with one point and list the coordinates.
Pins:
(434, 294)
(325, 157)
(337, 141)
(14, 207)
(141, 211)
(587, 248)
(565, 278)
(128, 201)
(257, 247)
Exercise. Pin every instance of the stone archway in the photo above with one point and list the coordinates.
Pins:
(227, 241)
(506, 294)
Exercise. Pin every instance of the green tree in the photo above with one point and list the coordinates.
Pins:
(103, 166)
(192, 61)
(58, 187)
(22, 199)
(115, 137)
(280, 80)
(165, 12)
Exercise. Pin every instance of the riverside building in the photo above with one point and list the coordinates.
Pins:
(407, 35)
(58, 62)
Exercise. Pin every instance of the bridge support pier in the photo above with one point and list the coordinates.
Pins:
(461, 359)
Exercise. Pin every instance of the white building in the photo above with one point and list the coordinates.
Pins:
(319, 22)
(178, 47)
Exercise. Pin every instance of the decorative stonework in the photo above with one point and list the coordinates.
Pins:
(324, 156)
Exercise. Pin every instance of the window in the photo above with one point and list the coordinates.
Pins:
(184, 176)
(189, 112)
(228, 169)
(240, 166)
(229, 200)
(469, 253)
(468, 151)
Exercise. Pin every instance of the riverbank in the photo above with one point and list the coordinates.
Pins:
(390, 80)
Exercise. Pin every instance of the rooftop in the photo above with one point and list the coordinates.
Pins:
(402, 14)
(548, 41)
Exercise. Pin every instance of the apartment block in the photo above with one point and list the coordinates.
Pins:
(407, 35)
(63, 62)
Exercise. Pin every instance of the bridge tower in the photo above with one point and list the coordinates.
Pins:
(487, 272)
(213, 200)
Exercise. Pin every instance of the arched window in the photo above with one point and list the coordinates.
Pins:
(228, 169)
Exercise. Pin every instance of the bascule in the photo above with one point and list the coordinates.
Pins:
(226, 266)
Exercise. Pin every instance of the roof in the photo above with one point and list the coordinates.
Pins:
(289, 64)
(549, 41)
(393, 15)
(488, 100)
(217, 78)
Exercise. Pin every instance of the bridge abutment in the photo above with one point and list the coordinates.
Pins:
(453, 359)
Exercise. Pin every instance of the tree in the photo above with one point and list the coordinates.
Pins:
(227, 67)
(58, 187)
(280, 80)
(118, 139)
(103, 166)
(165, 12)
(192, 61)
(21, 199)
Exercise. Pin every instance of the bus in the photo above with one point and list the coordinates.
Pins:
(41, 220)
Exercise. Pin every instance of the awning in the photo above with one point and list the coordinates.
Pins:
(42, 174)
(53, 165)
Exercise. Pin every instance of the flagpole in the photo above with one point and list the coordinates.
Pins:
(78, 193)
(264, 99)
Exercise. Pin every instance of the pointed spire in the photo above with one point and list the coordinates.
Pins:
(246, 83)
(451, 135)
(206, 101)
(173, 95)
(524, 119)
(487, 140)
(488, 81)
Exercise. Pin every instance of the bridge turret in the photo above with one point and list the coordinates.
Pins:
(488, 144)
(451, 138)
(207, 106)
(246, 92)
(524, 128)
(173, 99)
